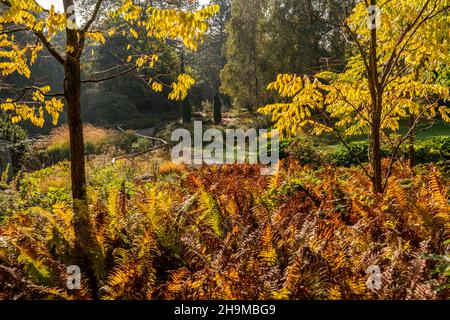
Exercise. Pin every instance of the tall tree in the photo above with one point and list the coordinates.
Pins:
(302, 35)
(279, 36)
(42, 27)
(210, 58)
(241, 76)
(383, 81)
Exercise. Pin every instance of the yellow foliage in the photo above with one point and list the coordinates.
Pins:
(332, 101)
(181, 87)
(156, 23)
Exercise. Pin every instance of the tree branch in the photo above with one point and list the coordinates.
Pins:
(110, 77)
(93, 17)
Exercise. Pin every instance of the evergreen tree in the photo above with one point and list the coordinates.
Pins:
(210, 58)
(217, 109)
(242, 76)
(268, 37)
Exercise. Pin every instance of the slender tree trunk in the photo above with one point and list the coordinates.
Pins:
(255, 70)
(217, 109)
(375, 153)
(254, 58)
(85, 248)
(185, 105)
(73, 94)
(377, 107)
(412, 153)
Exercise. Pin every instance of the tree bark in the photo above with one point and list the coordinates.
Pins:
(85, 247)
(72, 91)
(376, 92)
(375, 145)
(411, 151)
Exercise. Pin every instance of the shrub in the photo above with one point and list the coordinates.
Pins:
(18, 139)
(284, 148)
(436, 150)
(124, 141)
(57, 146)
(9, 202)
(141, 145)
(46, 187)
(357, 152)
(305, 152)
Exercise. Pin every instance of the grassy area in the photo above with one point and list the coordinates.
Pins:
(55, 147)
(440, 128)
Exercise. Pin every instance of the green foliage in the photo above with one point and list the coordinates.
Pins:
(97, 141)
(210, 58)
(357, 152)
(46, 187)
(442, 269)
(268, 37)
(242, 77)
(124, 141)
(305, 151)
(111, 108)
(141, 145)
(9, 201)
(17, 137)
(435, 150)
(226, 232)
(308, 151)
(284, 148)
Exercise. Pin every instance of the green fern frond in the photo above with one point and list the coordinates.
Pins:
(210, 212)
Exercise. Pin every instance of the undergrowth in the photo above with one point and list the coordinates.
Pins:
(230, 233)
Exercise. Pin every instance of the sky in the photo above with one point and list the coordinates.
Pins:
(47, 3)
(59, 6)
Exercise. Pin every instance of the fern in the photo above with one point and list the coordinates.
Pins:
(34, 267)
(229, 233)
(268, 252)
(211, 212)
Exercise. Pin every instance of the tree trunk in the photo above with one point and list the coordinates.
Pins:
(255, 70)
(375, 152)
(217, 109)
(73, 94)
(376, 92)
(185, 105)
(186, 111)
(85, 247)
(412, 133)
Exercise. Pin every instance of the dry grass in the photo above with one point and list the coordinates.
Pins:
(52, 182)
(59, 137)
(169, 167)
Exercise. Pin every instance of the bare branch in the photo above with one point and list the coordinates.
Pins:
(50, 47)
(93, 17)
(110, 77)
